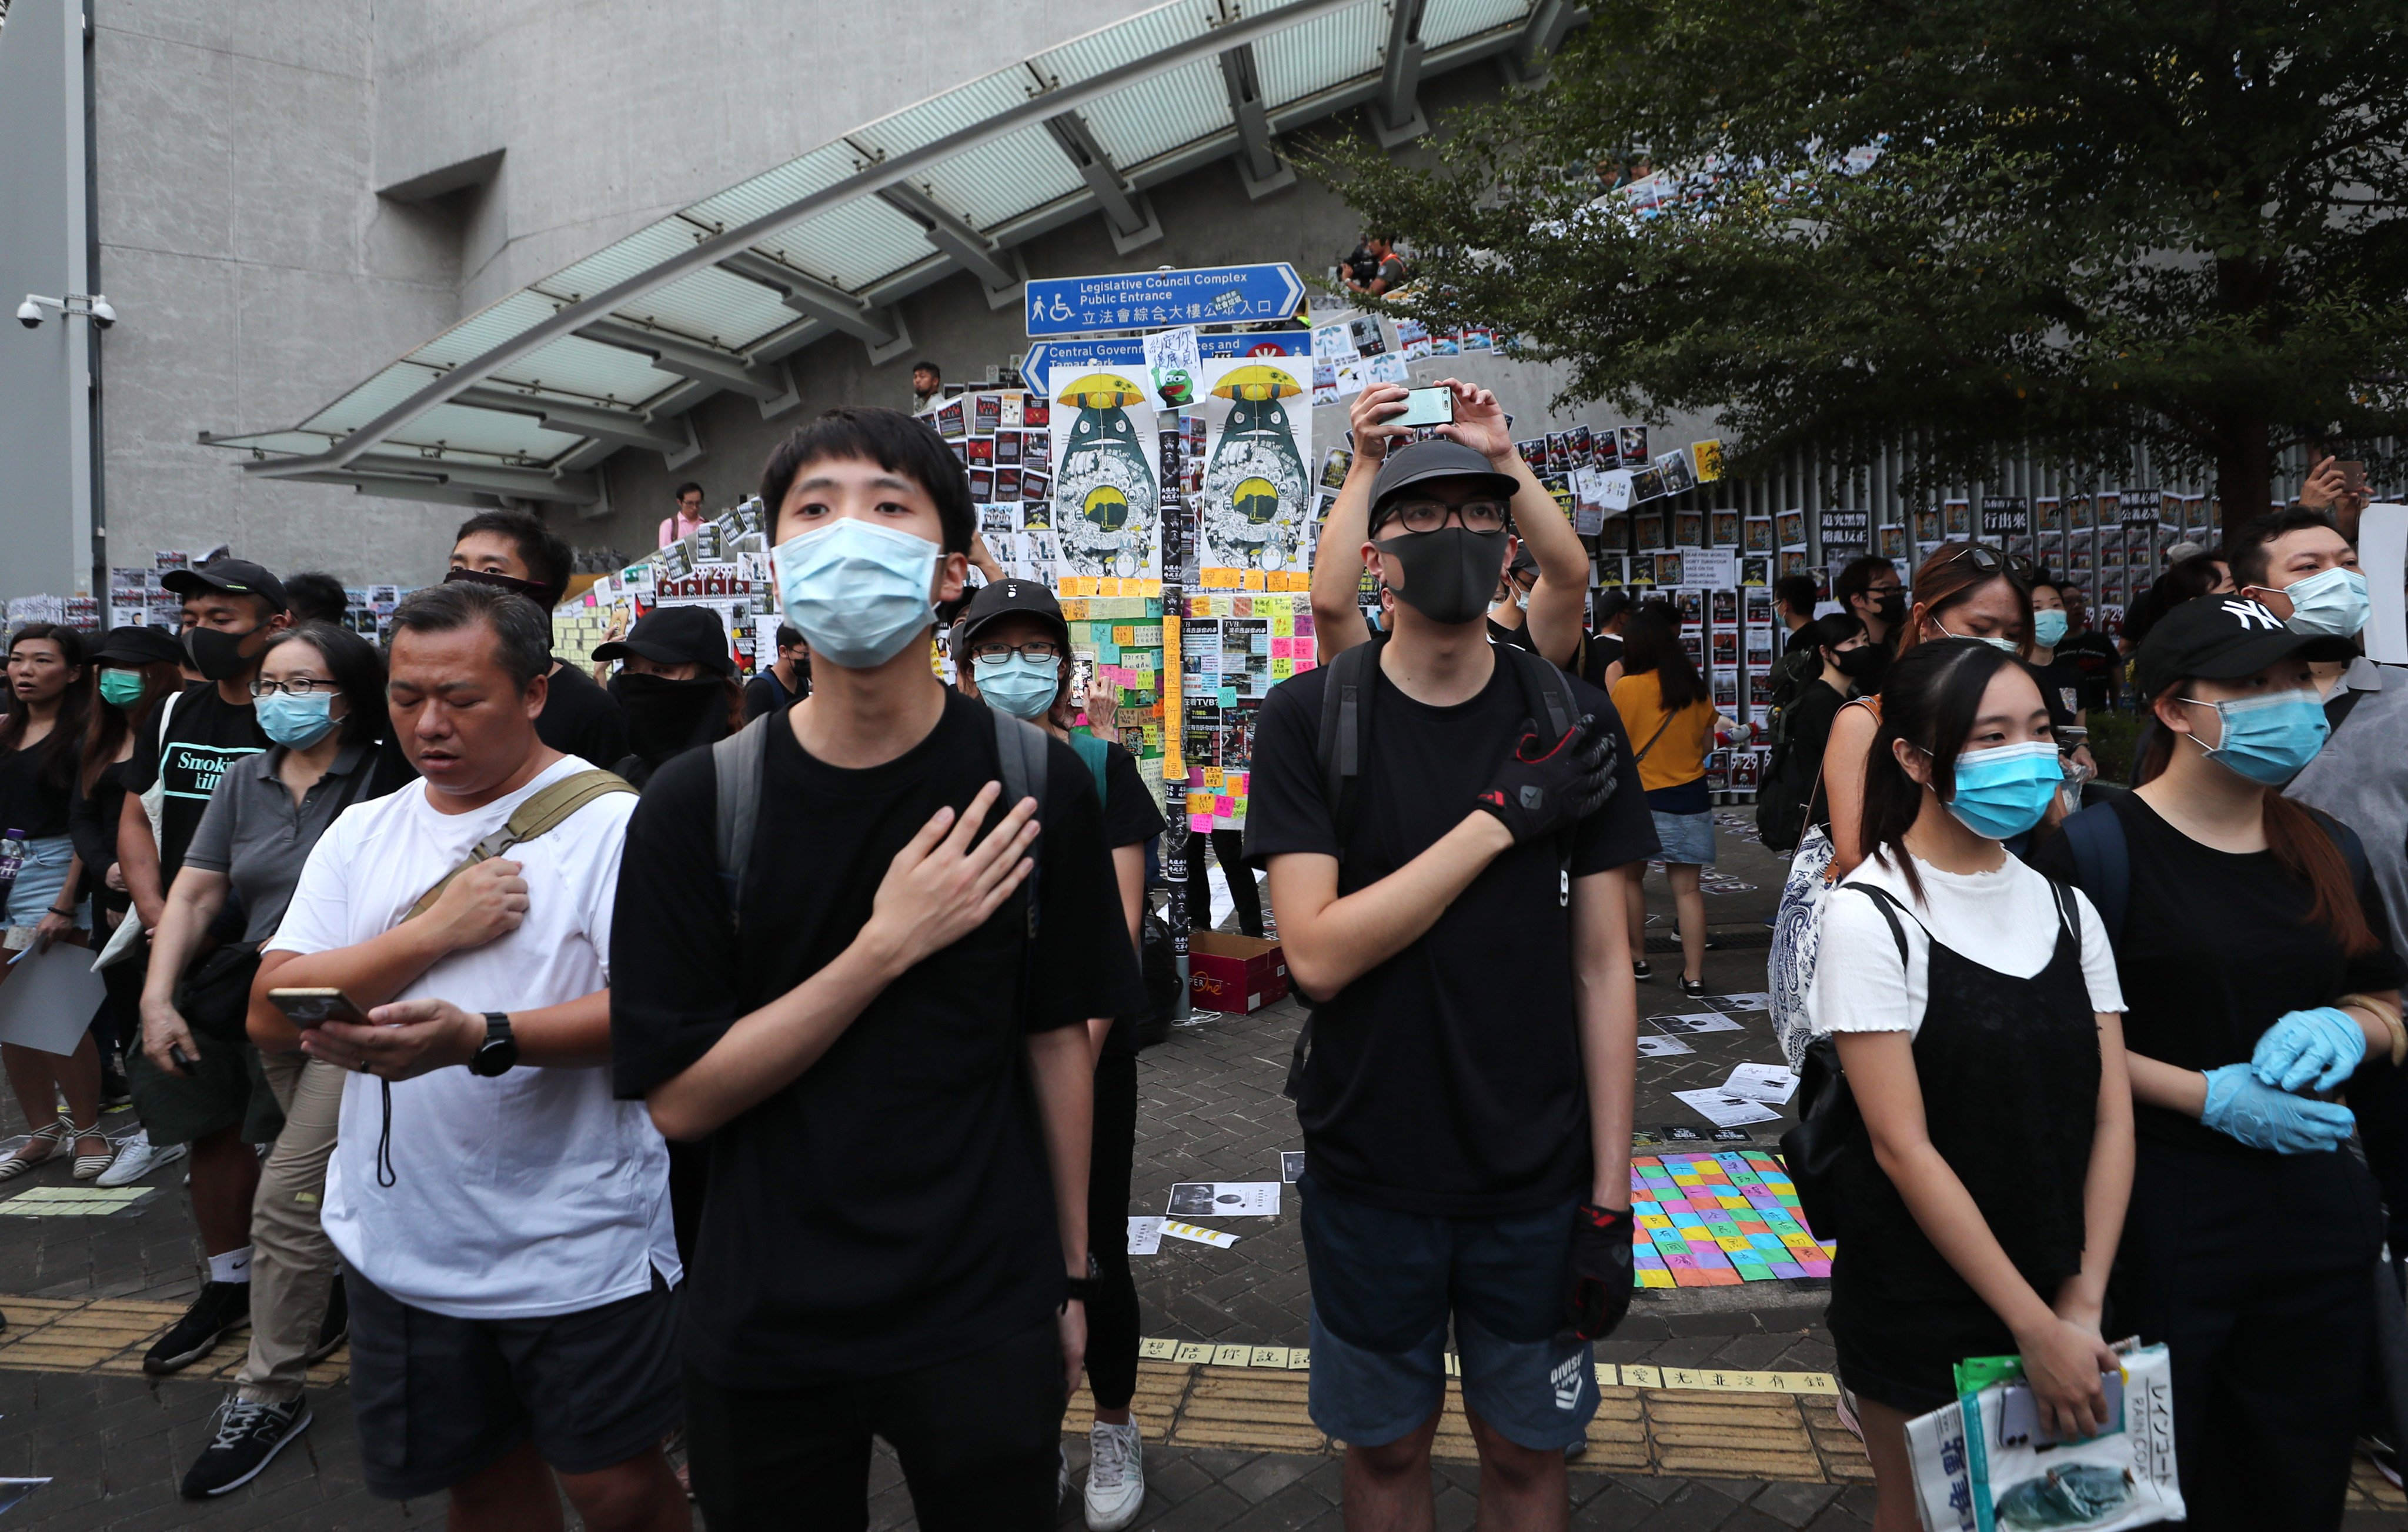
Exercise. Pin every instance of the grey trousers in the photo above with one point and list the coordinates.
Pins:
(293, 1263)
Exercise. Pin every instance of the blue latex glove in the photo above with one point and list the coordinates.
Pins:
(2322, 1045)
(2262, 1117)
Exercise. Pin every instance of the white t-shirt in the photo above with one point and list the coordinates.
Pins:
(2005, 920)
(525, 1195)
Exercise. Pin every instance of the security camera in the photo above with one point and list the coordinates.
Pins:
(29, 314)
(102, 314)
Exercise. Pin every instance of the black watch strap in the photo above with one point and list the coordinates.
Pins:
(500, 1052)
(1084, 1288)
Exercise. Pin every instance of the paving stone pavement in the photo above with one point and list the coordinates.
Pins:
(117, 1445)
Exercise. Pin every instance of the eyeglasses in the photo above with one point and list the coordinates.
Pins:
(1429, 515)
(994, 651)
(299, 686)
(1991, 560)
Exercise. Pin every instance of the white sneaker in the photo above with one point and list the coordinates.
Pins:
(136, 1157)
(1115, 1476)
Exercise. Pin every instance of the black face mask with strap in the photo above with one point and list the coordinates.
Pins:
(1449, 574)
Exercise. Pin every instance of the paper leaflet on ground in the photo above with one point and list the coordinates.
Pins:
(1656, 1047)
(1178, 1230)
(1741, 1002)
(1224, 1199)
(1773, 1083)
(1144, 1235)
(1725, 1110)
(1291, 1166)
(1981, 1463)
(13, 1491)
(1704, 1021)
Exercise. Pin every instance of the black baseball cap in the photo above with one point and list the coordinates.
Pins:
(676, 635)
(1437, 458)
(130, 647)
(2224, 637)
(239, 576)
(1003, 597)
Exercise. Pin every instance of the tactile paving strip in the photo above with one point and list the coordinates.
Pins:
(110, 1335)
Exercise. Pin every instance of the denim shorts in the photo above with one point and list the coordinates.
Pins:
(1384, 1285)
(1687, 838)
(40, 881)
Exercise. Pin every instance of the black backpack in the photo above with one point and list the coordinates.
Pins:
(1342, 742)
(1781, 803)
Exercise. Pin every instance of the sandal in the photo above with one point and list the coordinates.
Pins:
(86, 1167)
(25, 1164)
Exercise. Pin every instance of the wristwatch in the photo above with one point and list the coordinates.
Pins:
(500, 1052)
(1084, 1288)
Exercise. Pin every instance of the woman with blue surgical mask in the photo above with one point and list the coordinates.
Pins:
(2061, 679)
(2250, 946)
(1973, 1004)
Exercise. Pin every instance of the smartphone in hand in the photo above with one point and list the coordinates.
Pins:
(307, 1008)
(1427, 407)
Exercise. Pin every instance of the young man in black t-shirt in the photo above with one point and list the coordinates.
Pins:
(196, 1079)
(1468, 1145)
(892, 1071)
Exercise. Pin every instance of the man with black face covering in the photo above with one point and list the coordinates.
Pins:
(676, 686)
(211, 1097)
(1469, 1144)
(516, 550)
(1868, 590)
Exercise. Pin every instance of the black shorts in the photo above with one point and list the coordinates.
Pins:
(1903, 1353)
(439, 1400)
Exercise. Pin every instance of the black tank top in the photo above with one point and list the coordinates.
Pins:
(2009, 1070)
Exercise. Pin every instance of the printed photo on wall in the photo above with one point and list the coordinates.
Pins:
(1107, 501)
(1257, 494)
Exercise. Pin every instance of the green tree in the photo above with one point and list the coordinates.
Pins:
(2076, 225)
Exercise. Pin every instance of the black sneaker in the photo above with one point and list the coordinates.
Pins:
(1639, 969)
(334, 1328)
(249, 1434)
(115, 1093)
(221, 1307)
(1694, 989)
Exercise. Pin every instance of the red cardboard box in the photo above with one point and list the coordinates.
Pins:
(1233, 973)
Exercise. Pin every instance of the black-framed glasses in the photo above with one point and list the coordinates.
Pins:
(1429, 515)
(1994, 561)
(994, 651)
(299, 686)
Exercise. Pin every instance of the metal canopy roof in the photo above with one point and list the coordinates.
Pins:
(522, 400)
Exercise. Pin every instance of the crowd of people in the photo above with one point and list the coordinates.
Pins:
(617, 1061)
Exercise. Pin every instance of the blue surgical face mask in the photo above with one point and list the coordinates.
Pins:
(857, 592)
(1023, 687)
(2329, 603)
(2048, 628)
(2009, 645)
(294, 723)
(2004, 790)
(2270, 738)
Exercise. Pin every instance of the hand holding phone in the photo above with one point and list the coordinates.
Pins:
(1427, 407)
(308, 1008)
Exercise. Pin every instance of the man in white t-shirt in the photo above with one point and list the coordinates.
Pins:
(504, 1223)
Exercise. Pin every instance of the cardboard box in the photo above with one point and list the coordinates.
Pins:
(1233, 973)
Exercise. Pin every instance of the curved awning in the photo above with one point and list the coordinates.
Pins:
(522, 400)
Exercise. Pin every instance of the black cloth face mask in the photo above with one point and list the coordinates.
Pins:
(666, 717)
(216, 654)
(1449, 574)
(1892, 606)
(1863, 662)
(512, 583)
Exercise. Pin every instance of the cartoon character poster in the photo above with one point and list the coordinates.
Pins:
(1257, 503)
(1107, 498)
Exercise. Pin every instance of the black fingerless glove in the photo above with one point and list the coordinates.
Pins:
(1600, 1283)
(1543, 788)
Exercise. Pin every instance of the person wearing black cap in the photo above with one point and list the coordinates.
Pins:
(139, 667)
(779, 684)
(1468, 1143)
(516, 550)
(2252, 944)
(203, 1088)
(1015, 654)
(676, 684)
(1559, 598)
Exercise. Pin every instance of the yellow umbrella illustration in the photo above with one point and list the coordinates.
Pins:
(1102, 391)
(1104, 489)
(1257, 383)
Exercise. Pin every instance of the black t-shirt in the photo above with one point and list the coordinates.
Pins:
(1800, 637)
(1447, 1081)
(1130, 819)
(580, 719)
(2094, 659)
(1601, 651)
(891, 1207)
(31, 802)
(1808, 733)
(766, 693)
(2215, 949)
(206, 733)
(2061, 687)
(1499, 634)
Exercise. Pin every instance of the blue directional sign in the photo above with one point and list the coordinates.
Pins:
(1153, 300)
(1130, 351)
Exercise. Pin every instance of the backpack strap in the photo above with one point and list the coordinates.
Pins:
(1345, 734)
(538, 815)
(1886, 902)
(2102, 863)
(737, 766)
(1549, 701)
(1020, 756)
